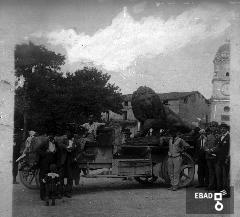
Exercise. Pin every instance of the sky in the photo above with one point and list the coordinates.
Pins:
(166, 45)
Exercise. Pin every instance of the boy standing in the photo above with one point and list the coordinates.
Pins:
(176, 146)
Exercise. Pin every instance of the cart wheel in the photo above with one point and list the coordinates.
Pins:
(187, 170)
(146, 180)
(29, 178)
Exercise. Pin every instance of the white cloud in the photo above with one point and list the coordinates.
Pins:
(118, 45)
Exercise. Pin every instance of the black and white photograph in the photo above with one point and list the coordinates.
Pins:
(122, 108)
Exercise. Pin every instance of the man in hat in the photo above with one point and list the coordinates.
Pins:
(176, 146)
(201, 160)
(223, 160)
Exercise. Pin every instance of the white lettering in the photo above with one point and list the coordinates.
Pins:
(203, 195)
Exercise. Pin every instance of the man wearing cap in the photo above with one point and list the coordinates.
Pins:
(223, 159)
(201, 160)
(176, 146)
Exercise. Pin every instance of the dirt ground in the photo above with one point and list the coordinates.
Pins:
(104, 198)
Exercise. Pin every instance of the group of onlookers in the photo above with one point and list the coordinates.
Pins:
(212, 155)
(57, 160)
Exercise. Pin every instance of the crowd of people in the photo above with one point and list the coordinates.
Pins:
(212, 155)
(57, 161)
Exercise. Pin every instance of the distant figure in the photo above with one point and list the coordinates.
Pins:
(201, 160)
(28, 142)
(52, 182)
(176, 146)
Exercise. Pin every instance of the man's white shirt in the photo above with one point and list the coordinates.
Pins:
(92, 128)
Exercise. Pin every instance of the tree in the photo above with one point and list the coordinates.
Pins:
(48, 100)
(40, 68)
(89, 92)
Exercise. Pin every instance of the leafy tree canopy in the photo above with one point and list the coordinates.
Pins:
(48, 100)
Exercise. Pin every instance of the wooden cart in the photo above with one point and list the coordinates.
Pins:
(145, 162)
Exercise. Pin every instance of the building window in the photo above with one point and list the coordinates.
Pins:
(225, 118)
(125, 115)
(227, 74)
(185, 100)
(226, 108)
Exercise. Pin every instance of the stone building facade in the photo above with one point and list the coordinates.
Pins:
(220, 100)
(192, 107)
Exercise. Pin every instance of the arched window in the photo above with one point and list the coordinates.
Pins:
(226, 108)
(227, 74)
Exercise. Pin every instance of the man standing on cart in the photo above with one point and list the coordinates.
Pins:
(91, 127)
(90, 135)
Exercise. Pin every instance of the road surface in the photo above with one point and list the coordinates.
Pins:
(104, 197)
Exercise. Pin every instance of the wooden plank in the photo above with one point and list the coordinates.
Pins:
(111, 176)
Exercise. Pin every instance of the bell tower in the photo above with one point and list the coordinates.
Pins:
(220, 100)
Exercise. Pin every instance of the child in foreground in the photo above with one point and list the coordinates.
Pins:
(52, 182)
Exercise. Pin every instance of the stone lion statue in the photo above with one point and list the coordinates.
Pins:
(150, 111)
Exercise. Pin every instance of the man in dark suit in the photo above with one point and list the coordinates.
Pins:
(211, 156)
(67, 163)
(223, 159)
(48, 153)
(201, 160)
